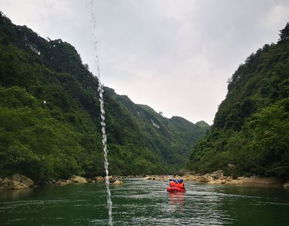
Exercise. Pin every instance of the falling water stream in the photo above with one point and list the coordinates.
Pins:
(102, 115)
(105, 151)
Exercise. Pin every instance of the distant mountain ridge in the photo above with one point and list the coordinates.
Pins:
(49, 116)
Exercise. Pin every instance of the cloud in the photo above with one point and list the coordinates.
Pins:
(175, 56)
(277, 15)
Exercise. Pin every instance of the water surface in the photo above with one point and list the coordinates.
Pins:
(141, 202)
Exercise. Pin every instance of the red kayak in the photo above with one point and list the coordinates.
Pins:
(175, 189)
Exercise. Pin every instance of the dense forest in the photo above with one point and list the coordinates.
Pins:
(250, 134)
(50, 116)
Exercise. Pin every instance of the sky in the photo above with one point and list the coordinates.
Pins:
(174, 55)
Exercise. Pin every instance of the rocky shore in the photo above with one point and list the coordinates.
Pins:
(21, 182)
(16, 182)
(218, 177)
(113, 180)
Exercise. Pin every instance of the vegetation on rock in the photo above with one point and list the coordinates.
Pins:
(250, 134)
(50, 117)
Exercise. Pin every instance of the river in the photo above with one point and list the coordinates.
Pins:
(143, 202)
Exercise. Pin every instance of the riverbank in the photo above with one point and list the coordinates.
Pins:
(21, 182)
(114, 180)
(218, 178)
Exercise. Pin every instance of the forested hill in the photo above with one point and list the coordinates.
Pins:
(50, 116)
(250, 134)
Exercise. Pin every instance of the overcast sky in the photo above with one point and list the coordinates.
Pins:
(173, 55)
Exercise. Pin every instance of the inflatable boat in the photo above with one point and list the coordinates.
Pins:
(175, 189)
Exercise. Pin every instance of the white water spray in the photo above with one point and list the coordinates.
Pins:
(102, 116)
(105, 151)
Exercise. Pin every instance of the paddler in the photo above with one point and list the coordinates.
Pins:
(172, 183)
(181, 184)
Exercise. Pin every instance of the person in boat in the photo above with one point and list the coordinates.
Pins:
(176, 186)
(181, 184)
(172, 183)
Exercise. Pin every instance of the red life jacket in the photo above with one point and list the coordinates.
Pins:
(176, 185)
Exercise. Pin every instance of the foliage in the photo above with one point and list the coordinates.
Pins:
(50, 120)
(250, 131)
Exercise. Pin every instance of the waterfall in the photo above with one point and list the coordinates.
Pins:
(105, 151)
(102, 116)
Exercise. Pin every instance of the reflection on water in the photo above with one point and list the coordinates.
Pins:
(176, 201)
(14, 194)
(141, 202)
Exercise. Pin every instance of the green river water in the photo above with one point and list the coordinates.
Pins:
(142, 202)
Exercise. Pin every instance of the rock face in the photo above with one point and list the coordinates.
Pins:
(98, 179)
(117, 182)
(81, 180)
(286, 185)
(218, 177)
(78, 180)
(62, 182)
(72, 180)
(16, 182)
(217, 174)
(157, 177)
(182, 173)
